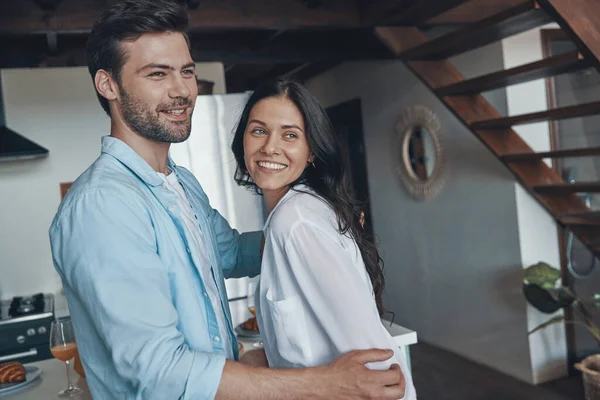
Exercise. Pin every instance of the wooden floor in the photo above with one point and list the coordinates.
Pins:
(441, 375)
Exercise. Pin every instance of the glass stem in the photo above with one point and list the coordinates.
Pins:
(70, 387)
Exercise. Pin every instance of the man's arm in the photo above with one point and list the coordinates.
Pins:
(239, 253)
(345, 379)
(104, 247)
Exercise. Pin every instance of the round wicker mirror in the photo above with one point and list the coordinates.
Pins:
(422, 162)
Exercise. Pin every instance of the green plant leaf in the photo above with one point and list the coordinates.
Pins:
(542, 275)
(541, 299)
(565, 298)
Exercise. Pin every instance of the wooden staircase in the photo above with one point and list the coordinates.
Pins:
(428, 59)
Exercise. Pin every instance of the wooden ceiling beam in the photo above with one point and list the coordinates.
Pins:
(239, 47)
(373, 12)
(405, 12)
(421, 11)
(473, 11)
(240, 78)
(78, 16)
(248, 76)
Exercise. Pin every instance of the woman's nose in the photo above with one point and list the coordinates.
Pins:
(271, 145)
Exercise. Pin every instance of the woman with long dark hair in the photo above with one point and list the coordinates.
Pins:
(321, 279)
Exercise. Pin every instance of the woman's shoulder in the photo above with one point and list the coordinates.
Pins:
(302, 207)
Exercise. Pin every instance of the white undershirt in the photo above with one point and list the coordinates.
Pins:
(191, 223)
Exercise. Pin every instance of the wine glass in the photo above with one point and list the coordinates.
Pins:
(63, 347)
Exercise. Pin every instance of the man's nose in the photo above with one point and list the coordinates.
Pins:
(179, 88)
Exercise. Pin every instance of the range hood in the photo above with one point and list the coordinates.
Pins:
(14, 146)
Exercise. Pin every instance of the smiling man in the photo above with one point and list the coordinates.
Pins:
(143, 256)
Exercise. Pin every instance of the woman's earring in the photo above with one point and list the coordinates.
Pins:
(313, 164)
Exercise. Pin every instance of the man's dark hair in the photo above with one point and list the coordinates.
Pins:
(127, 21)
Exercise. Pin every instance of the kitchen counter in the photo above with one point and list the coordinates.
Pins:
(52, 381)
(403, 337)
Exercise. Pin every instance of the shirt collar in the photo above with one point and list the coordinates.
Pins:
(132, 160)
(291, 193)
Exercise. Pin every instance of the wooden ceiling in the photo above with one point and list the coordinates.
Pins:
(255, 39)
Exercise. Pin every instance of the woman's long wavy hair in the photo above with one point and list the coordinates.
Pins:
(328, 174)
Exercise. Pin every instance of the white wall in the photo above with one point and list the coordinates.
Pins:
(538, 233)
(58, 109)
(452, 264)
(214, 72)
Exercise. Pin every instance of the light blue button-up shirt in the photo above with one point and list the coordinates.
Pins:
(131, 275)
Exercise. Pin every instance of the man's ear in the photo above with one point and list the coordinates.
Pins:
(106, 85)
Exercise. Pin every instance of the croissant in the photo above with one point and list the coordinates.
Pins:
(12, 372)
(251, 324)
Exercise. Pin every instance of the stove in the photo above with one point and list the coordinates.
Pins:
(25, 328)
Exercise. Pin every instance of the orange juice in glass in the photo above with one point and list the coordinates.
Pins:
(64, 352)
(64, 348)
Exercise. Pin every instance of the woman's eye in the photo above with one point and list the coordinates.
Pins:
(258, 131)
(291, 135)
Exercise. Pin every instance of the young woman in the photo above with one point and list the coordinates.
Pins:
(321, 282)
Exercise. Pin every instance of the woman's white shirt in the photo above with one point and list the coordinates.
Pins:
(315, 300)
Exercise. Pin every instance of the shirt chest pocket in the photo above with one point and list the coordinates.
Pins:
(290, 329)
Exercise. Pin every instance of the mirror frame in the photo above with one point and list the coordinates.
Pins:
(424, 118)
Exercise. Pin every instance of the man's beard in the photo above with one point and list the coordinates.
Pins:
(145, 122)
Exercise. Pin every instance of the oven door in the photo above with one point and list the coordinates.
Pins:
(26, 354)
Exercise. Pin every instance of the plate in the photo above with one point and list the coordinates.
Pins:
(32, 373)
(241, 332)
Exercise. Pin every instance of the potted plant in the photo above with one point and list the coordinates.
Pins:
(543, 290)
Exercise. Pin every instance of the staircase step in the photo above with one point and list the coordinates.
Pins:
(580, 221)
(581, 218)
(552, 66)
(584, 152)
(515, 20)
(568, 188)
(580, 110)
(583, 214)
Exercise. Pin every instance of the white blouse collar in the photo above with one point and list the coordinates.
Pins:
(291, 193)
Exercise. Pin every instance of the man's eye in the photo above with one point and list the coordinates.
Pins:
(157, 74)
(188, 72)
